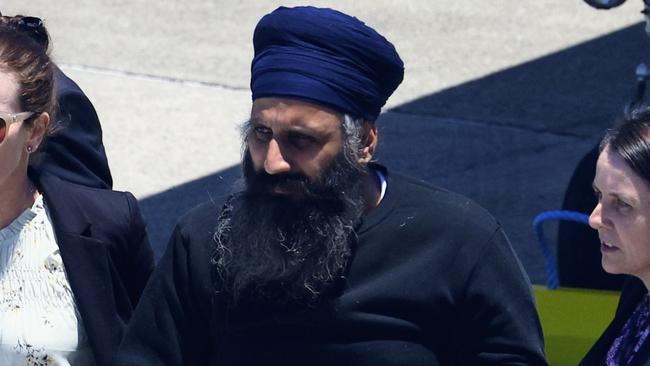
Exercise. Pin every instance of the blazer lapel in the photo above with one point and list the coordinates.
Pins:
(87, 265)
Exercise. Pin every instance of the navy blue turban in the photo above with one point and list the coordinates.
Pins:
(326, 57)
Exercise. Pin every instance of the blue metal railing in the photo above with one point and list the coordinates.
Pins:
(552, 277)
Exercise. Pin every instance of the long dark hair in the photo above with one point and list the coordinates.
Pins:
(630, 138)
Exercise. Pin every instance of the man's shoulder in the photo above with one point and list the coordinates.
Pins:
(201, 219)
(191, 242)
(414, 192)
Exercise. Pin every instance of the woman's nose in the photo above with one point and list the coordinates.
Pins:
(596, 218)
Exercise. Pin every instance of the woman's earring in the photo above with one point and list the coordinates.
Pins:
(29, 149)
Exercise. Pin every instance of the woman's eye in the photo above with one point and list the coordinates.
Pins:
(622, 204)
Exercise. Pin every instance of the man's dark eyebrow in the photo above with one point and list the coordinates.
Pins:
(256, 121)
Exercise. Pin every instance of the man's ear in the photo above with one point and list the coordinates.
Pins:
(368, 142)
(37, 131)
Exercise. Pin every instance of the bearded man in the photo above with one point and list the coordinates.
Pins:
(325, 257)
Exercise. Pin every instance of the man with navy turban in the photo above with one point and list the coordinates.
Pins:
(325, 257)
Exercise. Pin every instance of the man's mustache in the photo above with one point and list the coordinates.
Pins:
(264, 179)
(296, 184)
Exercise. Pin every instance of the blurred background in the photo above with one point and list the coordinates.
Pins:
(500, 100)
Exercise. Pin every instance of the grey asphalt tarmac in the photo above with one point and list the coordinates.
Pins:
(500, 101)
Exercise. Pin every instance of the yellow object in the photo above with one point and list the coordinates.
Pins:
(572, 320)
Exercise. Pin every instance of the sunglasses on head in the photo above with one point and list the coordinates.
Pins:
(7, 119)
(29, 23)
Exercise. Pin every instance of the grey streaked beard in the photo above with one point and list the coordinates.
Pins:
(278, 250)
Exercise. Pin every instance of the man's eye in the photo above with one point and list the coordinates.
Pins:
(301, 141)
(263, 134)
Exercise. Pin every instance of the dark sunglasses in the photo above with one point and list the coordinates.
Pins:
(30, 22)
(7, 119)
(29, 25)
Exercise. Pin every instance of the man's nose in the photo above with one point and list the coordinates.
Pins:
(275, 162)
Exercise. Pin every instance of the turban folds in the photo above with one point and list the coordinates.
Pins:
(326, 57)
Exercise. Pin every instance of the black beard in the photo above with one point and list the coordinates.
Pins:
(288, 248)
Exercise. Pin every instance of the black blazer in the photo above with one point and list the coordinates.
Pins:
(75, 151)
(106, 255)
(632, 293)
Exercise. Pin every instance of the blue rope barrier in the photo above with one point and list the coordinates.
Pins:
(552, 277)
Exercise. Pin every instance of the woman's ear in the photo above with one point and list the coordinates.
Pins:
(37, 131)
(368, 143)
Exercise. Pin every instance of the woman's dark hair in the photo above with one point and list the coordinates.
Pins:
(630, 138)
(23, 52)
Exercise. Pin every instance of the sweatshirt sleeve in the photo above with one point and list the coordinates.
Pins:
(171, 322)
(500, 325)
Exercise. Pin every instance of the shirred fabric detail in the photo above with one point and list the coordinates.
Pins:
(39, 320)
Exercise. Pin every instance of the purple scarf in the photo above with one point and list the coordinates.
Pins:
(632, 336)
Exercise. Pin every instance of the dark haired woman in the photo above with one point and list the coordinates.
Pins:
(73, 259)
(622, 218)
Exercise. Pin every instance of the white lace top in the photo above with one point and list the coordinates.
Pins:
(39, 321)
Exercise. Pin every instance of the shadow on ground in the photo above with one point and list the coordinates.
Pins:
(161, 211)
(509, 140)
